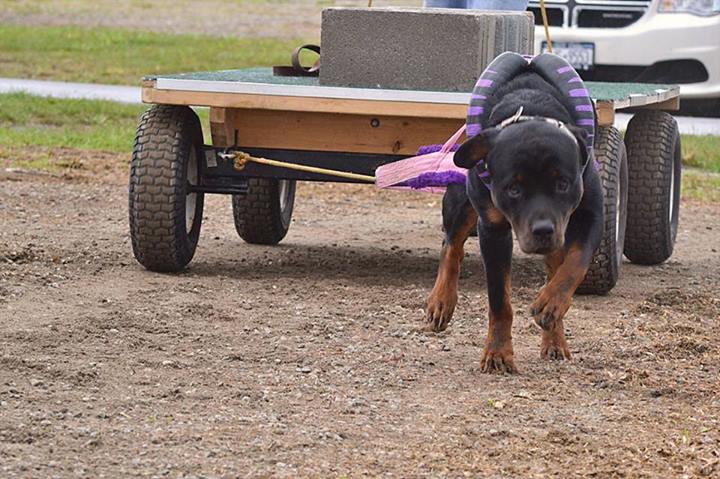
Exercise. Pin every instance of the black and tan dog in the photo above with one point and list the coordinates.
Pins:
(542, 190)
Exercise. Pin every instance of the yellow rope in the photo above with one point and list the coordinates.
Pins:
(545, 23)
(241, 159)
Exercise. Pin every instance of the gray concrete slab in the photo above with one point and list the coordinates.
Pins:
(415, 48)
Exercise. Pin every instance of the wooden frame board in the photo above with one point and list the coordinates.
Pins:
(254, 97)
(313, 104)
(319, 131)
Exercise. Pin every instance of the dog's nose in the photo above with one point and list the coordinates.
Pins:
(543, 228)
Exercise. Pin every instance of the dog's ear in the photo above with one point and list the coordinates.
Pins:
(581, 136)
(475, 149)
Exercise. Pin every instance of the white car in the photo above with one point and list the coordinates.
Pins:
(653, 41)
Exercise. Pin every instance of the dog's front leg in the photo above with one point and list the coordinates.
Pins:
(566, 270)
(553, 344)
(496, 246)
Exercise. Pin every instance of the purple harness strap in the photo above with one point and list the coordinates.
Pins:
(555, 70)
(433, 169)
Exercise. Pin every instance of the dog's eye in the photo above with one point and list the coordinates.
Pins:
(562, 185)
(514, 190)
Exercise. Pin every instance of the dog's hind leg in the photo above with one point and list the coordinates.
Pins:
(459, 221)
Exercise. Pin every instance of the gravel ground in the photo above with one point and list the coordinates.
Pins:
(305, 359)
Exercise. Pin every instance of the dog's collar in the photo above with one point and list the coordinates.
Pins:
(518, 117)
(482, 167)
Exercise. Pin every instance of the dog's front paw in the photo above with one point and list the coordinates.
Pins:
(440, 307)
(498, 360)
(555, 352)
(550, 306)
(553, 345)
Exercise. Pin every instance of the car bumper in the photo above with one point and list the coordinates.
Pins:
(656, 37)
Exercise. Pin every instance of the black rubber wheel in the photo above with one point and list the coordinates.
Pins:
(263, 214)
(164, 218)
(605, 265)
(654, 161)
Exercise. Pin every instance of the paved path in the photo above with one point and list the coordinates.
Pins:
(130, 94)
(57, 89)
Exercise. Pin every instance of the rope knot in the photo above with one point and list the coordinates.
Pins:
(241, 159)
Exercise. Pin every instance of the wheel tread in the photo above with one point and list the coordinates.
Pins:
(605, 265)
(257, 214)
(156, 210)
(651, 142)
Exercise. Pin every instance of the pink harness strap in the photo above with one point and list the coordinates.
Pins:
(430, 172)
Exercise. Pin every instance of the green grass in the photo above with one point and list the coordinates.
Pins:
(700, 185)
(85, 124)
(702, 152)
(27, 120)
(116, 56)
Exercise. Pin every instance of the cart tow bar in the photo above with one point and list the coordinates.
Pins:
(240, 159)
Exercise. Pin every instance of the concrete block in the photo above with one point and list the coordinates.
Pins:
(416, 48)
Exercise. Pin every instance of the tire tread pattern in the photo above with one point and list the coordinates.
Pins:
(163, 140)
(258, 216)
(651, 139)
(605, 264)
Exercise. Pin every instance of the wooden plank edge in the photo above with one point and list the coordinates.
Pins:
(318, 105)
(314, 91)
(328, 131)
(672, 104)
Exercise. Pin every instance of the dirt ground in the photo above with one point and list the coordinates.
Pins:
(305, 359)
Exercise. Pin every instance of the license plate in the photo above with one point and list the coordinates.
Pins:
(580, 55)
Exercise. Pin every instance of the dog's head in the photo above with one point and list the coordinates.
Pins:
(536, 170)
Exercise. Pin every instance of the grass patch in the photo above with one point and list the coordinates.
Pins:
(27, 120)
(116, 56)
(702, 152)
(40, 159)
(85, 124)
(700, 185)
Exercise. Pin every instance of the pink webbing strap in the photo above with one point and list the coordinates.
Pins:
(437, 164)
(453, 140)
